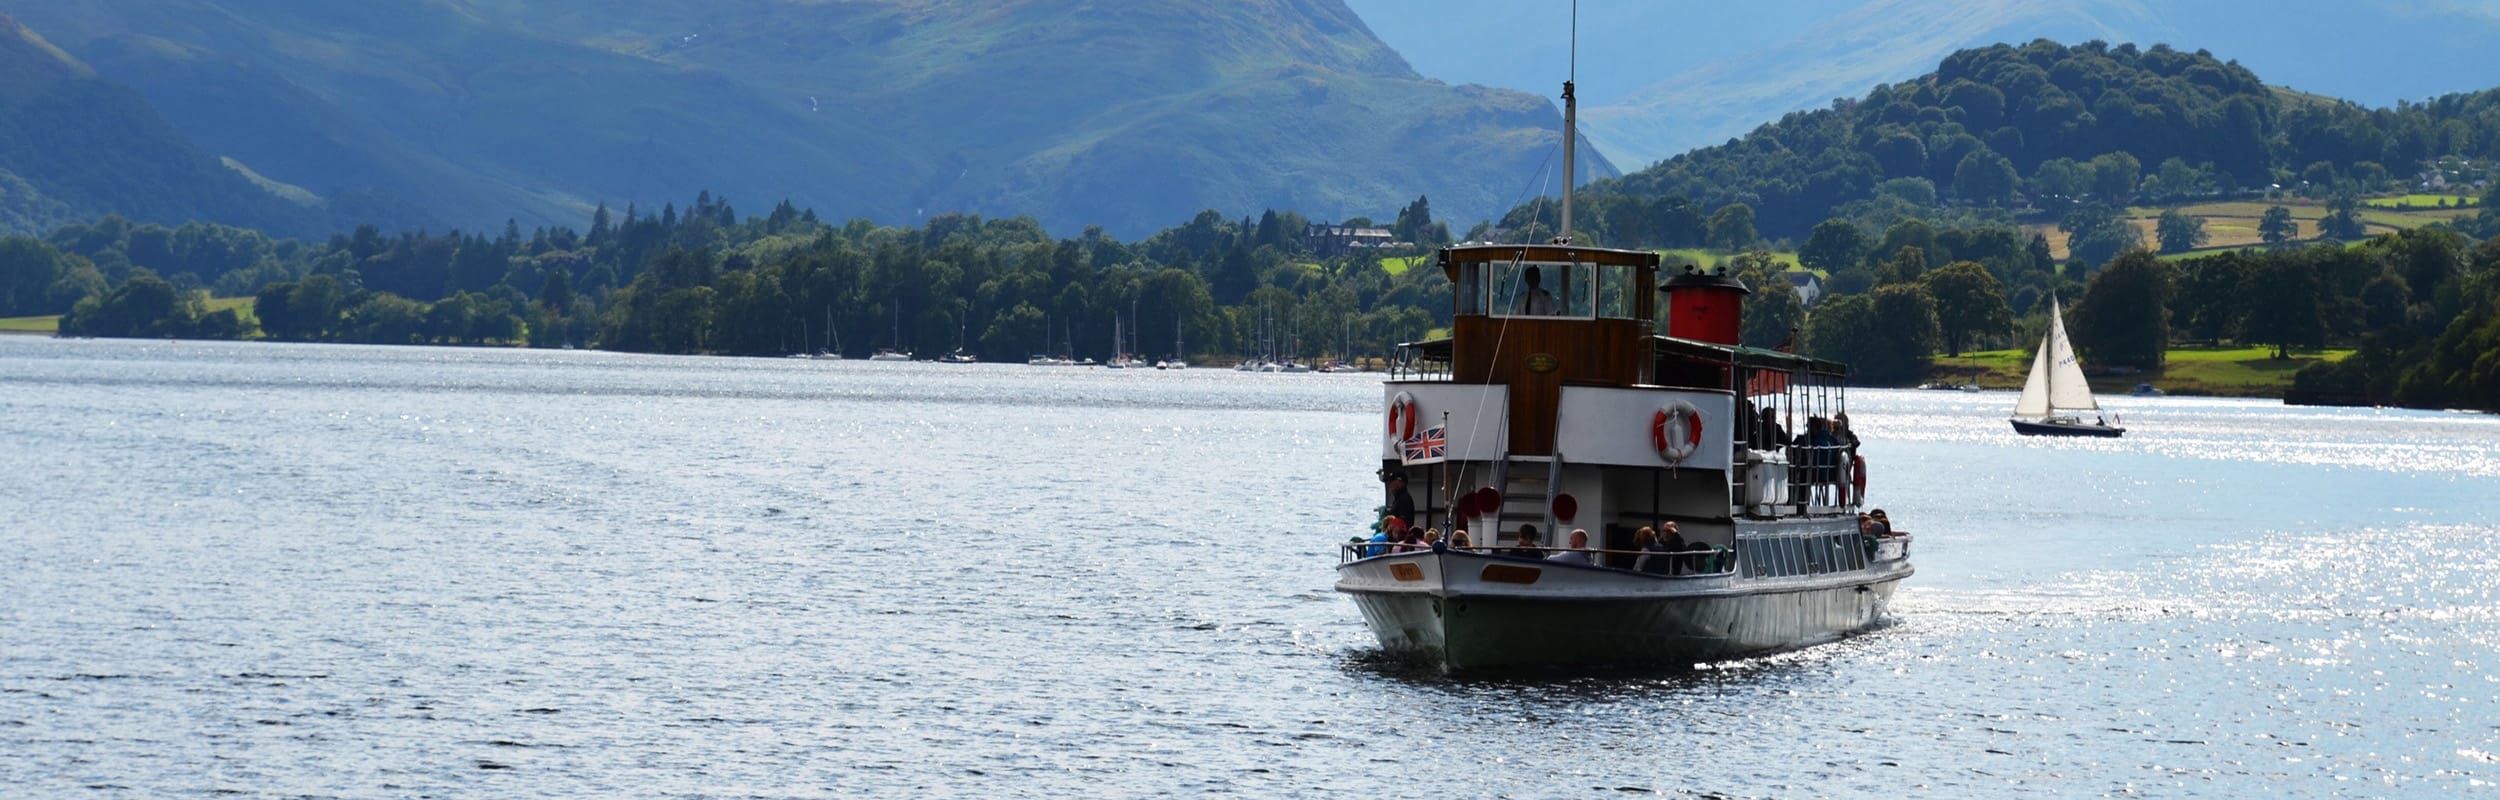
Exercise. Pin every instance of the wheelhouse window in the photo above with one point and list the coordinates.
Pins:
(1618, 291)
(1543, 289)
(1470, 288)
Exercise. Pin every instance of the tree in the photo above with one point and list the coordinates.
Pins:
(1731, 227)
(2096, 233)
(1773, 312)
(2283, 305)
(2179, 232)
(1969, 302)
(2277, 227)
(28, 268)
(2114, 177)
(1835, 244)
(1906, 265)
(2124, 318)
(1985, 177)
(2343, 218)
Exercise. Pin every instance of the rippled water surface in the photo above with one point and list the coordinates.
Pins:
(379, 572)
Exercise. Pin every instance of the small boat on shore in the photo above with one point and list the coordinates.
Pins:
(2056, 397)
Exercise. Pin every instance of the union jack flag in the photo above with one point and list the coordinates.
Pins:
(1432, 445)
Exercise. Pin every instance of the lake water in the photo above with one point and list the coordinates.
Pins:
(293, 570)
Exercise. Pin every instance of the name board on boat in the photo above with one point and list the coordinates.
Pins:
(1542, 362)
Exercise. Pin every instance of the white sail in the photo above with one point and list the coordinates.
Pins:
(2035, 402)
(2067, 389)
(2056, 382)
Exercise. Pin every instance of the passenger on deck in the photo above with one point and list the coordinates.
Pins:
(1654, 550)
(1459, 540)
(1848, 458)
(1527, 544)
(1578, 552)
(1535, 300)
(1401, 505)
(1769, 435)
(1432, 537)
(1391, 528)
(1883, 524)
(1818, 451)
(1411, 541)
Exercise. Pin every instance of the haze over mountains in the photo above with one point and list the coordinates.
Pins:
(304, 117)
(1660, 79)
(1131, 115)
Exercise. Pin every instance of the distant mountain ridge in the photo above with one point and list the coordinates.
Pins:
(1131, 116)
(1702, 74)
(73, 145)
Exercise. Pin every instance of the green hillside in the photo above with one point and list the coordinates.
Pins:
(73, 145)
(466, 113)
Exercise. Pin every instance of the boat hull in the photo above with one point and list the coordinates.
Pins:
(1609, 618)
(2029, 428)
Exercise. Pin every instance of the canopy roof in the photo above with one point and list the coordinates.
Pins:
(1454, 255)
(1440, 350)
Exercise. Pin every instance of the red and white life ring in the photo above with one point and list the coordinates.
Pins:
(1857, 477)
(1402, 417)
(1675, 431)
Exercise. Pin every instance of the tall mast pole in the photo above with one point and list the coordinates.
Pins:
(1571, 132)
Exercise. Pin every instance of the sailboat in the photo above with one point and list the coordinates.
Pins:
(889, 353)
(1176, 361)
(2056, 397)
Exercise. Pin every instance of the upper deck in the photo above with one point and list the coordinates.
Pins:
(1536, 318)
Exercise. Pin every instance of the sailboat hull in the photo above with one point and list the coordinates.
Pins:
(2030, 428)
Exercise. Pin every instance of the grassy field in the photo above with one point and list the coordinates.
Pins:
(48, 325)
(1676, 258)
(1398, 265)
(2420, 202)
(2232, 225)
(43, 325)
(2216, 371)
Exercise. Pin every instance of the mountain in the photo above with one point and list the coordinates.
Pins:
(2057, 124)
(1132, 115)
(1704, 74)
(73, 145)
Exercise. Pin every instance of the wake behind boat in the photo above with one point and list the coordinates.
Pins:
(1702, 530)
(2055, 397)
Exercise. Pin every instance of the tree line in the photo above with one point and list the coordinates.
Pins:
(704, 279)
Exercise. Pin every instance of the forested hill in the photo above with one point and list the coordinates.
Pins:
(1125, 116)
(74, 146)
(1996, 125)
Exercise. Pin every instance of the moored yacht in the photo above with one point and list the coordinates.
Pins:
(1555, 406)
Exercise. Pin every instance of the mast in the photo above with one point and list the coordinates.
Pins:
(1571, 128)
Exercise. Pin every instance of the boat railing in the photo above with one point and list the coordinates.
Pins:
(1420, 361)
(1681, 563)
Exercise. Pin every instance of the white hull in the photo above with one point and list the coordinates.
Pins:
(1444, 610)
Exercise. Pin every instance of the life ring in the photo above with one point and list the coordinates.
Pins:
(1857, 477)
(1402, 416)
(1675, 431)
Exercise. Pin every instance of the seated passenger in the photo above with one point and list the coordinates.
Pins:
(1391, 528)
(1578, 552)
(1654, 552)
(1458, 538)
(1527, 544)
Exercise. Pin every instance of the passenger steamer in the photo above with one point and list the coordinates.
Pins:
(1554, 403)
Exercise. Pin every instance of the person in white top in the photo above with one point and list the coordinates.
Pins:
(1535, 300)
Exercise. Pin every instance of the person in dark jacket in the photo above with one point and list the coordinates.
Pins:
(1401, 505)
